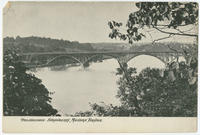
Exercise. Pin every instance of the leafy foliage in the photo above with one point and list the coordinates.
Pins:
(23, 94)
(171, 93)
(105, 110)
(162, 16)
(156, 92)
(160, 95)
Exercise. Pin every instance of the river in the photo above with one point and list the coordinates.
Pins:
(76, 87)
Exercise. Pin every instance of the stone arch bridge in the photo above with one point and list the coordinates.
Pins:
(46, 58)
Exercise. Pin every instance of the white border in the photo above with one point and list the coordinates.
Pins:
(3, 3)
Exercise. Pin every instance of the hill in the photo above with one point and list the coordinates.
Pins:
(39, 44)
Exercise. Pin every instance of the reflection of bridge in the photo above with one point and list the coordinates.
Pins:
(45, 58)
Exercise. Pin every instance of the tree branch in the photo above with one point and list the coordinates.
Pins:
(148, 32)
(129, 83)
(168, 25)
(172, 49)
(162, 38)
(183, 34)
(180, 31)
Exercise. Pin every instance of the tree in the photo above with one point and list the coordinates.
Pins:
(150, 93)
(156, 95)
(169, 18)
(165, 17)
(23, 93)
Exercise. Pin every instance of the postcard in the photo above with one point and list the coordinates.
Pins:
(117, 67)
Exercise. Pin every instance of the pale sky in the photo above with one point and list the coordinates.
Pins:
(74, 21)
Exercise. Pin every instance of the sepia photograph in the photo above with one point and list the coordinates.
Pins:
(100, 59)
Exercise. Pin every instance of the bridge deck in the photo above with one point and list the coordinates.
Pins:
(96, 52)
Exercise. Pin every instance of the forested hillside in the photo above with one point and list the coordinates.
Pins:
(38, 44)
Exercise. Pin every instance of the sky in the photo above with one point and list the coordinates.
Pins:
(83, 22)
(74, 21)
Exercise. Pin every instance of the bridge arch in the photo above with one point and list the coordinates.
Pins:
(143, 61)
(68, 56)
(161, 58)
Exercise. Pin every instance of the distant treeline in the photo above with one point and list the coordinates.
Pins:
(161, 47)
(39, 44)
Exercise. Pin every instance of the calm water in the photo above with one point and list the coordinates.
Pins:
(75, 87)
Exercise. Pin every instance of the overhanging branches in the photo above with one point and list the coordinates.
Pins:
(175, 33)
